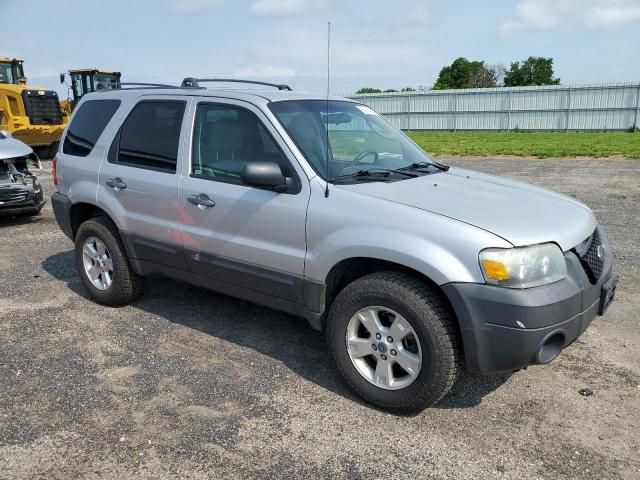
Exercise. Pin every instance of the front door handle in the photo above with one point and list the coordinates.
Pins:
(116, 183)
(201, 200)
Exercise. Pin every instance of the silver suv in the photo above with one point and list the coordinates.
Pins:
(323, 209)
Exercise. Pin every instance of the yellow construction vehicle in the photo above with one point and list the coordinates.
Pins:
(30, 113)
(87, 80)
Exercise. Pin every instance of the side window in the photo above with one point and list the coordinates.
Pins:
(87, 126)
(225, 138)
(150, 135)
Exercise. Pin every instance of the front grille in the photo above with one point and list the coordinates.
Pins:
(593, 260)
(42, 106)
(10, 196)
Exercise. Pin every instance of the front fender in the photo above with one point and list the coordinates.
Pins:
(349, 225)
(413, 251)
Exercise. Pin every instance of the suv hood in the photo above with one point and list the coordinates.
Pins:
(520, 213)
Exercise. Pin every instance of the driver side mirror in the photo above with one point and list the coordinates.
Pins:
(266, 175)
(62, 78)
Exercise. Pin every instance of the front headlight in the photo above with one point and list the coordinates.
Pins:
(523, 267)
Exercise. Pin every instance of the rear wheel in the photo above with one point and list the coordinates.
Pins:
(103, 265)
(393, 339)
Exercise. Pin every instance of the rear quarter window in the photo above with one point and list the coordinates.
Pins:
(87, 125)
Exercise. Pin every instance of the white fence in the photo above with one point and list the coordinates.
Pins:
(557, 108)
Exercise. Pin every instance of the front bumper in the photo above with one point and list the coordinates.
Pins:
(33, 204)
(508, 329)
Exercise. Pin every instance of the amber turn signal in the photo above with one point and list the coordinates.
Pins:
(495, 270)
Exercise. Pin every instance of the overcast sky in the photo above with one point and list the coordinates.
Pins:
(387, 44)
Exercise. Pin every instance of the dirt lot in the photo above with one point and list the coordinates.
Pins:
(189, 384)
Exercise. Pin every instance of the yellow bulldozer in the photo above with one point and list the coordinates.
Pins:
(30, 113)
(86, 80)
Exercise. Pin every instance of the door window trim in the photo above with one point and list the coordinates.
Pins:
(230, 103)
(114, 147)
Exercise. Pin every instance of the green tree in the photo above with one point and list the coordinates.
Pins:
(369, 90)
(388, 90)
(463, 73)
(533, 71)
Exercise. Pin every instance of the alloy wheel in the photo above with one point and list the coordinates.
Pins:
(383, 347)
(97, 262)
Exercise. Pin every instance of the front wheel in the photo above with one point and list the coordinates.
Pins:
(394, 341)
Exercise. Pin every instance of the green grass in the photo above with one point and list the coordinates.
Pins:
(530, 144)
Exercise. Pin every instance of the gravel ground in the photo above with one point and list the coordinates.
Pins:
(186, 383)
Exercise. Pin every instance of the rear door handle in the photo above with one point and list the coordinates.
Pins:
(201, 200)
(116, 183)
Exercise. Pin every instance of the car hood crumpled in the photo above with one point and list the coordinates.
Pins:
(520, 213)
(13, 148)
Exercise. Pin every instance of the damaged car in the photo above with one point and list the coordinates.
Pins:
(20, 191)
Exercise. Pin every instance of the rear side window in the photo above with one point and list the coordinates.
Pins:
(150, 135)
(87, 125)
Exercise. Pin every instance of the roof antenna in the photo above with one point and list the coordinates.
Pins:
(326, 148)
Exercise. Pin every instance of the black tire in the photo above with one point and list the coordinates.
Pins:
(127, 285)
(47, 152)
(430, 317)
(53, 149)
(41, 151)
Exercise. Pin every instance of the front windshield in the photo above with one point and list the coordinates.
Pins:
(6, 73)
(359, 138)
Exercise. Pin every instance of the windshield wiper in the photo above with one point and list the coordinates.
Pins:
(373, 174)
(419, 165)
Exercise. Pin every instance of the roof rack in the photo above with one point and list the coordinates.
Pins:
(136, 85)
(191, 82)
